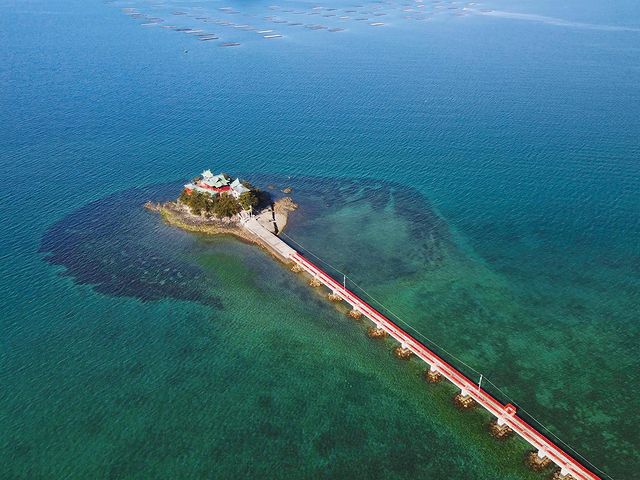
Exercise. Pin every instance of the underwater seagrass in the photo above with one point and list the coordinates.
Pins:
(120, 249)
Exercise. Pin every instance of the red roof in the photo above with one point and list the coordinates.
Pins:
(226, 188)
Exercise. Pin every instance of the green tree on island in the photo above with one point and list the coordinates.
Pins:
(185, 198)
(248, 200)
(226, 206)
(198, 202)
(223, 205)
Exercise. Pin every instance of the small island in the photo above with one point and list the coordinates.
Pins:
(220, 204)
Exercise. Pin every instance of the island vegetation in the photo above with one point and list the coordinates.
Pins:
(219, 204)
(222, 206)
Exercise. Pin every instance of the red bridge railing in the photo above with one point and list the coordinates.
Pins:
(505, 413)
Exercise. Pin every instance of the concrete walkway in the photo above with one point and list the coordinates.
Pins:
(275, 243)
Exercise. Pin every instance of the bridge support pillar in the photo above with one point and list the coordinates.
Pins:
(562, 474)
(500, 430)
(432, 375)
(376, 332)
(464, 401)
(403, 351)
(355, 313)
(538, 460)
(334, 297)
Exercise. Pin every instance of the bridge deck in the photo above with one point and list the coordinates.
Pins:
(274, 242)
(504, 413)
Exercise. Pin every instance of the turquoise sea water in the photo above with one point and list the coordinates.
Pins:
(479, 174)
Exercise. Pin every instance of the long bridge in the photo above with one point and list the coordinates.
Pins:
(505, 414)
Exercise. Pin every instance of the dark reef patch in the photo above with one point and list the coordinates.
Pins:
(120, 249)
(353, 223)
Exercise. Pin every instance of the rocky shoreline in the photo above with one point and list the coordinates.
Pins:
(273, 217)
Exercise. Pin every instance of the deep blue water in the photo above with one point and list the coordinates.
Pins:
(520, 132)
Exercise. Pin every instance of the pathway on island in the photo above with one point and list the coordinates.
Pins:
(276, 244)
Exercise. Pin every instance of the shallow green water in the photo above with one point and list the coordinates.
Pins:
(267, 379)
(509, 235)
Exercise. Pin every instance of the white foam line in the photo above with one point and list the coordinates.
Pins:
(558, 22)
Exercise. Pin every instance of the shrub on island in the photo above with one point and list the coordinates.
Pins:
(197, 202)
(226, 206)
(200, 203)
(221, 202)
(248, 200)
